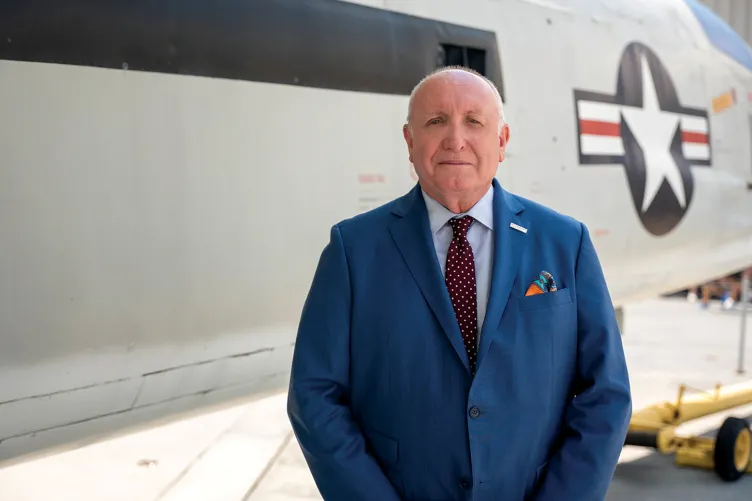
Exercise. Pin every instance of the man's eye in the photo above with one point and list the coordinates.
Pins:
(434, 121)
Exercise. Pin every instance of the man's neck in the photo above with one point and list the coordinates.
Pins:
(459, 204)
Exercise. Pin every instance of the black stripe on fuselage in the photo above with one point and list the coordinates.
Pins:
(314, 43)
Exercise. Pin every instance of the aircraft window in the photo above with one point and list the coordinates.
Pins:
(465, 56)
(312, 43)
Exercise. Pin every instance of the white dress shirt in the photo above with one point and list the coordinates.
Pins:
(480, 236)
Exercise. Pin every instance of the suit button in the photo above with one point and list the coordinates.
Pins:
(474, 412)
(465, 484)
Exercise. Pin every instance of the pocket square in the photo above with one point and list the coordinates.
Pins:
(544, 283)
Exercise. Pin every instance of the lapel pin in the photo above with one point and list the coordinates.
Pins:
(518, 227)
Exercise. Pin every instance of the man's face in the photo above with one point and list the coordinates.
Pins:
(454, 140)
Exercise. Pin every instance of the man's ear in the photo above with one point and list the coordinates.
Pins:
(409, 140)
(503, 141)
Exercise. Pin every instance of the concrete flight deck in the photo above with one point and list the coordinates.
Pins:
(247, 452)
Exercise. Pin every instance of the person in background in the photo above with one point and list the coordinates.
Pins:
(728, 289)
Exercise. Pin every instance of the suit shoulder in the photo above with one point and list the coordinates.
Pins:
(560, 223)
(366, 222)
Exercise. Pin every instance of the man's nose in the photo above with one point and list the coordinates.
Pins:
(454, 140)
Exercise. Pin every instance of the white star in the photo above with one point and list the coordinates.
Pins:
(654, 130)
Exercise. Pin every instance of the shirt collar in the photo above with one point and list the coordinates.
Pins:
(438, 215)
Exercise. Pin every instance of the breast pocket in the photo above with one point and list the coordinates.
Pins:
(552, 312)
(543, 327)
(547, 300)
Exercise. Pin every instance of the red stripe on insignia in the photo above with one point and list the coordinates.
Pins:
(694, 137)
(597, 128)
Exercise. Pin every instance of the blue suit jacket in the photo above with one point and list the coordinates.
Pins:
(381, 398)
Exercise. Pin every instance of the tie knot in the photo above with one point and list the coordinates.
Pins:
(460, 226)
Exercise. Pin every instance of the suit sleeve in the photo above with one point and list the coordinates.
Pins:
(597, 418)
(318, 405)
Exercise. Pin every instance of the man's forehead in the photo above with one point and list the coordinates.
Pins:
(445, 92)
(448, 110)
(456, 102)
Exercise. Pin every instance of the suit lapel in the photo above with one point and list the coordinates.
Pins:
(509, 245)
(412, 235)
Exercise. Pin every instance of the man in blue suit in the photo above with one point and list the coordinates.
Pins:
(459, 343)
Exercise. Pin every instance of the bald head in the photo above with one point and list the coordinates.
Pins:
(456, 75)
(456, 136)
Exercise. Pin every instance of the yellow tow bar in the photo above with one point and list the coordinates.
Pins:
(729, 453)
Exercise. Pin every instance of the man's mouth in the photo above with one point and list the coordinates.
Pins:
(454, 162)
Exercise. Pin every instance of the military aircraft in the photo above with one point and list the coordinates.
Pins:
(171, 170)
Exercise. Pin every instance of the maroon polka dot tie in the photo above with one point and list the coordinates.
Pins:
(460, 280)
